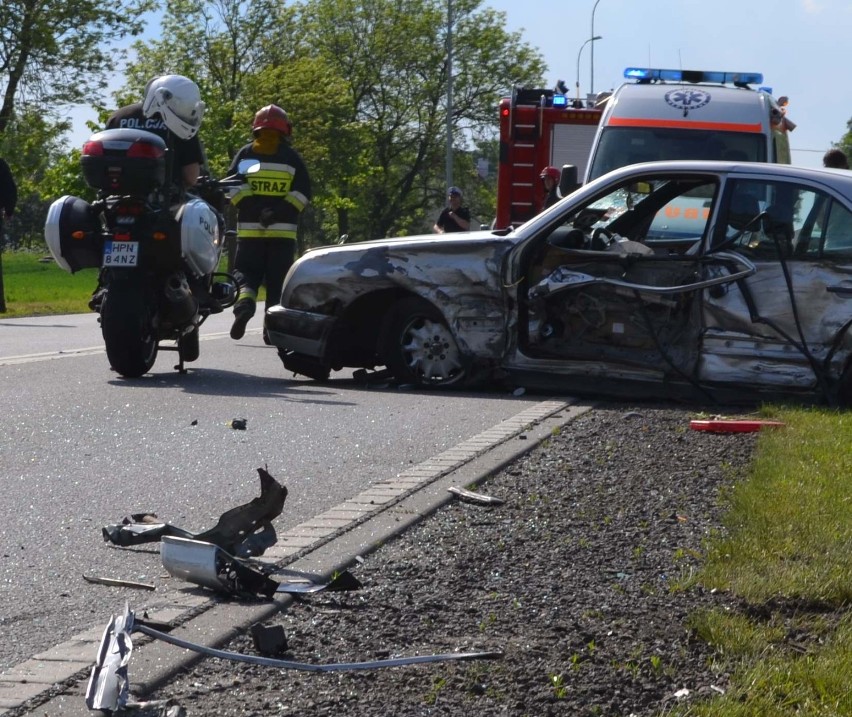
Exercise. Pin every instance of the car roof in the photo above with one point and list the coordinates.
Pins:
(723, 104)
(840, 179)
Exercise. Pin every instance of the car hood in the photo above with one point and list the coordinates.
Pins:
(419, 241)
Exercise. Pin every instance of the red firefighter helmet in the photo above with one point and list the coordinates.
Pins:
(551, 172)
(272, 117)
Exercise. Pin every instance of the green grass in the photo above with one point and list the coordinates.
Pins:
(786, 553)
(35, 285)
(790, 525)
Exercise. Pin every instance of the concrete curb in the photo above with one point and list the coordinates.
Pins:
(54, 683)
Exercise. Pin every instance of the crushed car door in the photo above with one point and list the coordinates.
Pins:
(619, 281)
(787, 326)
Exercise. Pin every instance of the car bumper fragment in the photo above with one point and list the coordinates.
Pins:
(300, 331)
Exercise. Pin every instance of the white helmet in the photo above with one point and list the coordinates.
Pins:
(177, 99)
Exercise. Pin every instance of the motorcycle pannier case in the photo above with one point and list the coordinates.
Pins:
(124, 161)
(73, 234)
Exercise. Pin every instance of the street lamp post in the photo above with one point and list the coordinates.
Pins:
(592, 52)
(580, 52)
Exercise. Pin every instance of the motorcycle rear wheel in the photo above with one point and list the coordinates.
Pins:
(129, 336)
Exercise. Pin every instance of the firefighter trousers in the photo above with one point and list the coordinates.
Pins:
(263, 262)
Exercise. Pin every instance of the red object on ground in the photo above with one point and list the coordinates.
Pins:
(733, 425)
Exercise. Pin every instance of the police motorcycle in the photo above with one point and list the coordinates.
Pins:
(158, 250)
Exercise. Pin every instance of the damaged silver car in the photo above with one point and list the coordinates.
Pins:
(702, 280)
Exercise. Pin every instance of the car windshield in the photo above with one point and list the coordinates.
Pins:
(621, 146)
(669, 214)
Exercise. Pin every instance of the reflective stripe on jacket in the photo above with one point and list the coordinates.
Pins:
(255, 230)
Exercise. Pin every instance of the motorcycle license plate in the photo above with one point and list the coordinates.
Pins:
(118, 254)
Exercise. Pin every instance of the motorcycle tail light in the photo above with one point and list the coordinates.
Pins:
(145, 150)
(93, 149)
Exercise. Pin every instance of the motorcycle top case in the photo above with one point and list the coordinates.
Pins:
(73, 234)
(124, 161)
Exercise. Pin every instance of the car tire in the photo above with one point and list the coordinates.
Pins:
(419, 347)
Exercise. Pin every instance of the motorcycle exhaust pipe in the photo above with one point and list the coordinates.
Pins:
(182, 305)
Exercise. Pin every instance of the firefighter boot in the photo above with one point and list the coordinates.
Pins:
(243, 311)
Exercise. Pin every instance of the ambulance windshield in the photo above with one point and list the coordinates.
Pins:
(620, 146)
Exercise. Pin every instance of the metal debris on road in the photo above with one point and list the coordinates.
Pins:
(243, 531)
(471, 497)
(118, 583)
(108, 687)
(209, 566)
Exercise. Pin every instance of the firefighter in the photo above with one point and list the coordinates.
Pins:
(550, 179)
(269, 203)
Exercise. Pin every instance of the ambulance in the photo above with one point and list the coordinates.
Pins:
(688, 114)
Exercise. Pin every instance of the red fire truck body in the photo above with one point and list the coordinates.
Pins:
(538, 128)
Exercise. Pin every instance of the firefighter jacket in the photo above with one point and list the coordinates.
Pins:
(273, 195)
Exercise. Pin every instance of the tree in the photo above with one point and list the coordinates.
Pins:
(845, 142)
(392, 55)
(364, 84)
(221, 45)
(56, 52)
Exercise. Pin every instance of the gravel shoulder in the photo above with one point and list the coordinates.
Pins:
(570, 579)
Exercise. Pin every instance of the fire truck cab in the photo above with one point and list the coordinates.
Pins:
(684, 114)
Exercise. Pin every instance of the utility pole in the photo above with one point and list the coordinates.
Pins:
(449, 167)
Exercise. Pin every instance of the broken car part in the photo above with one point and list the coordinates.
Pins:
(471, 497)
(118, 583)
(109, 684)
(108, 687)
(208, 565)
(245, 530)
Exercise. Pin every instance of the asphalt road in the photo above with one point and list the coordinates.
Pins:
(81, 448)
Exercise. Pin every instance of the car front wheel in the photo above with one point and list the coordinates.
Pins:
(419, 347)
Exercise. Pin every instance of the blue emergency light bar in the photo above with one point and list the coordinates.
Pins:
(641, 74)
(560, 101)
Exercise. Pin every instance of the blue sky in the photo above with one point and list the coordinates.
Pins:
(802, 47)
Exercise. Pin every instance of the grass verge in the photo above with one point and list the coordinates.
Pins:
(35, 285)
(786, 552)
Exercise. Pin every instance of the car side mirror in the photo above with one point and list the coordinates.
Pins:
(568, 181)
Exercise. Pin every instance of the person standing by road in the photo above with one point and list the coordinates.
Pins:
(276, 191)
(8, 201)
(454, 217)
(8, 193)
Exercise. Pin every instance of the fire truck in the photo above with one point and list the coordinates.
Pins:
(538, 128)
(657, 114)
